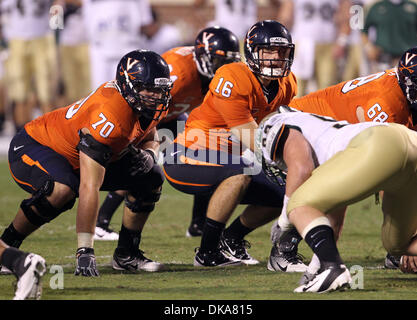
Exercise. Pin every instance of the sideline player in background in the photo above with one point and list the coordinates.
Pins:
(107, 141)
(207, 156)
(192, 69)
(32, 56)
(332, 164)
(113, 27)
(387, 96)
(236, 15)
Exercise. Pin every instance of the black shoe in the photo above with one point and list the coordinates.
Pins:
(284, 257)
(134, 262)
(236, 248)
(194, 230)
(392, 262)
(214, 258)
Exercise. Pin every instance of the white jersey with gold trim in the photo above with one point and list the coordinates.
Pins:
(113, 26)
(25, 19)
(325, 135)
(236, 15)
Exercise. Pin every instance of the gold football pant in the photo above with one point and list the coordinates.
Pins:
(378, 158)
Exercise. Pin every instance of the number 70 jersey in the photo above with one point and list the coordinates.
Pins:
(325, 135)
(105, 113)
(377, 97)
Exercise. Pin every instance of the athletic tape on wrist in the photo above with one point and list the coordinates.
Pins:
(283, 221)
(85, 240)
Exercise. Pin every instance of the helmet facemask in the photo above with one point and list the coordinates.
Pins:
(263, 65)
(208, 63)
(273, 173)
(148, 100)
(409, 85)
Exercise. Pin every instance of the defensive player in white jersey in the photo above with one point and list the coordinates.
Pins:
(235, 15)
(32, 55)
(331, 164)
(312, 22)
(74, 56)
(114, 28)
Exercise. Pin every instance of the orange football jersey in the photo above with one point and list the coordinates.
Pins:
(186, 91)
(235, 97)
(105, 113)
(377, 97)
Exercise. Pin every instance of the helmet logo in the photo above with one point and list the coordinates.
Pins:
(409, 57)
(402, 67)
(130, 63)
(206, 37)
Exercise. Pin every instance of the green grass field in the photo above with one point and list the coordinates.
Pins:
(164, 240)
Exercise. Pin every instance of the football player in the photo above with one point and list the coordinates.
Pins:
(387, 96)
(330, 164)
(207, 157)
(113, 28)
(106, 141)
(32, 56)
(192, 69)
(28, 269)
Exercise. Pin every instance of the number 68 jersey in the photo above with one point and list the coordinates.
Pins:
(377, 97)
(105, 113)
(325, 135)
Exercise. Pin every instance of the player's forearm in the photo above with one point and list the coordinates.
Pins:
(151, 141)
(87, 209)
(296, 176)
(246, 134)
(154, 145)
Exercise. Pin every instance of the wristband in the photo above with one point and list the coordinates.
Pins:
(85, 240)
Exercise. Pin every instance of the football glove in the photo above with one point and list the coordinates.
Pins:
(86, 263)
(142, 161)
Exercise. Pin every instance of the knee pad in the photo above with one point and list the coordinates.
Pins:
(46, 211)
(143, 203)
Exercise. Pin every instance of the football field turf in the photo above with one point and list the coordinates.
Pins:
(164, 240)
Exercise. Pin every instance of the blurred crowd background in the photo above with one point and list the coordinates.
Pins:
(55, 52)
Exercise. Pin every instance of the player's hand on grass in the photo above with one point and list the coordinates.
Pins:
(86, 263)
(408, 264)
